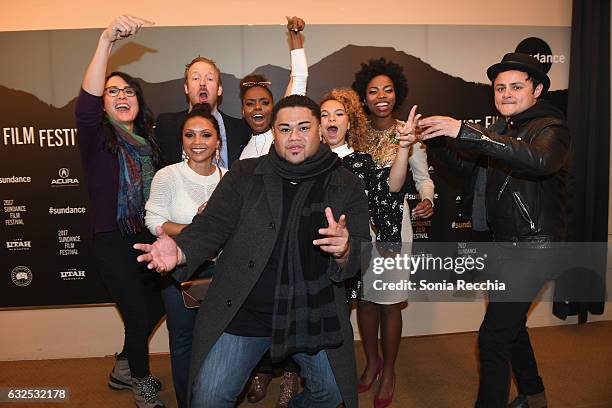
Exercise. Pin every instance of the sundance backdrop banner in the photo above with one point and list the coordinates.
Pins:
(46, 253)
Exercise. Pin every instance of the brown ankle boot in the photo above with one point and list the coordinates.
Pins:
(259, 387)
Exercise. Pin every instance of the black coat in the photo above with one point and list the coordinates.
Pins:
(243, 216)
(168, 134)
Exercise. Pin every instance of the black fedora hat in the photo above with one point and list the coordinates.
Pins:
(520, 62)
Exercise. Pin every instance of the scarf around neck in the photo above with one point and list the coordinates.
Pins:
(321, 162)
(305, 318)
(135, 174)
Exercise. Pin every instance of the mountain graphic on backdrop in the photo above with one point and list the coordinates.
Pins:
(434, 91)
(429, 88)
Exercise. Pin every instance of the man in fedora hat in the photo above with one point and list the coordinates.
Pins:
(519, 177)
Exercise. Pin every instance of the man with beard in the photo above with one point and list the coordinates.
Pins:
(291, 224)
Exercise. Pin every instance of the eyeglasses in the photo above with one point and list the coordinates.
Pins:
(249, 84)
(113, 91)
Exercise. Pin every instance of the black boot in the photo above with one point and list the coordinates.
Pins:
(529, 401)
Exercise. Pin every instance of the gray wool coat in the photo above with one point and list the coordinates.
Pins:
(243, 217)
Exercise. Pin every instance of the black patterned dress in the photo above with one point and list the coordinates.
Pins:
(389, 211)
(387, 208)
(362, 165)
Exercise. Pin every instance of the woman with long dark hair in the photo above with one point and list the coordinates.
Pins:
(119, 156)
(179, 192)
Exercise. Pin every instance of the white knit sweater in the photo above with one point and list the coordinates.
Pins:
(176, 193)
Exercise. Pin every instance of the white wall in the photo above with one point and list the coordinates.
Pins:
(97, 331)
(42, 15)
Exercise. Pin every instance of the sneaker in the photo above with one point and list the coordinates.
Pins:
(121, 378)
(289, 387)
(145, 393)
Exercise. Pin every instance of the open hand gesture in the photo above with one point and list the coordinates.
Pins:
(162, 255)
(123, 27)
(407, 132)
(336, 241)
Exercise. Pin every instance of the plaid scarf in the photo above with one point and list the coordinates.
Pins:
(135, 174)
(305, 318)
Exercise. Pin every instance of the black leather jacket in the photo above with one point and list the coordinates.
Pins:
(527, 161)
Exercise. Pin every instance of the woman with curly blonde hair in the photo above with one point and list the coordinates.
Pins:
(343, 127)
(358, 123)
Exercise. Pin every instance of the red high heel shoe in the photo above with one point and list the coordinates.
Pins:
(361, 387)
(385, 402)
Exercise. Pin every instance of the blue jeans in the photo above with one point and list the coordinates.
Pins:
(229, 363)
(180, 322)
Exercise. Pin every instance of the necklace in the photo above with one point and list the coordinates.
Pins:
(381, 144)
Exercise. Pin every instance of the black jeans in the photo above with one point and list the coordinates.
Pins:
(503, 339)
(134, 289)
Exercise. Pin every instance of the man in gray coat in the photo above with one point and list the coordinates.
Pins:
(291, 224)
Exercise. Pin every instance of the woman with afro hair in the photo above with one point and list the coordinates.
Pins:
(382, 87)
